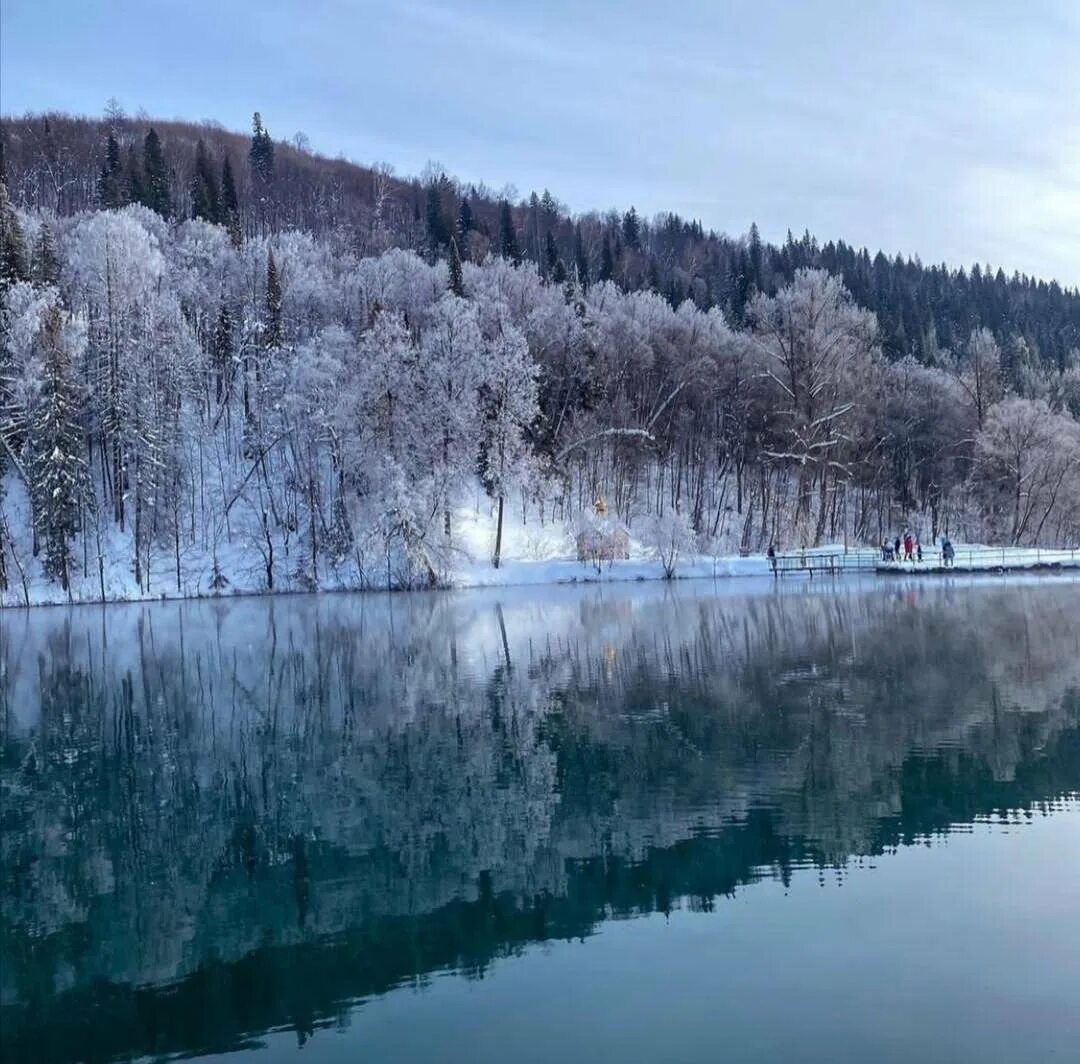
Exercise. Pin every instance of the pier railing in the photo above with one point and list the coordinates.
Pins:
(965, 559)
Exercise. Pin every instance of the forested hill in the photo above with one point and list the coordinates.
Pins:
(260, 185)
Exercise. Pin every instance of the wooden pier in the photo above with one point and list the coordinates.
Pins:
(973, 560)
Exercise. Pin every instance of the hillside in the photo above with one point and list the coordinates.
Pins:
(55, 162)
(228, 364)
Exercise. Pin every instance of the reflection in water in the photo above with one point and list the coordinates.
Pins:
(229, 817)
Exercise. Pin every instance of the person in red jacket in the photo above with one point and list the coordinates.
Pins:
(909, 546)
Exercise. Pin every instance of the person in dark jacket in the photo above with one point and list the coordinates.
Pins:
(896, 548)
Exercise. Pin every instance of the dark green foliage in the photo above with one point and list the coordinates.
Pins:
(133, 178)
(554, 269)
(58, 470)
(508, 241)
(607, 260)
(465, 226)
(581, 259)
(205, 198)
(221, 350)
(273, 335)
(457, 281)
(631, 229)
(111, 185)
(45, 269)
(13, 261)
(156, 194)
(261, 153)
(438, 225)
(230, 202)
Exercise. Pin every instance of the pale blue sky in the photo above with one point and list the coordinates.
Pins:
(947, 130)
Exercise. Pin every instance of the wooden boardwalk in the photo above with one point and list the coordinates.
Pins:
(973, 560)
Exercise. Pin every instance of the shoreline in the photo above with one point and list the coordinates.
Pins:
(567, 573)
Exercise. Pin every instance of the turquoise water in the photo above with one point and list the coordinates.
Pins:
(704, 822)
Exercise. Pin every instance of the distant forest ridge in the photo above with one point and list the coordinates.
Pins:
(259, 185)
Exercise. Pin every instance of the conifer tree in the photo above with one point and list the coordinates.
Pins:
(45, 269)
(457, 281)
(221, 349)
(554, 269)
(110, 181)
(273, 335)
(465, 226)
(631, 229)
(261, 153)
(607, 260)
(133, 180)
(261, 159)
(156, 193)
(230, 202)
(581, 259)
(58, 470)
(438, 228)
(13, 265)
(205, 200)
(508, 242)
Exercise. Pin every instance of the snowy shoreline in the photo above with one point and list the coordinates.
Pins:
(568, 572)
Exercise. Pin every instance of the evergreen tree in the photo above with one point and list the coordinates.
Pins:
(58, 470)
(230, 202)
(457, 281)
(221, 349)
(110, 187)
(133, 178)
(581, 259)
(631, 229)
(607, 260)
(508, 242)
(13, 264)
(261, 158)
(156, 194)
(554, 269)
(261, 153)
(205, 200)
(45, 269)
(438, 228)
(273, 335)
(465, 226)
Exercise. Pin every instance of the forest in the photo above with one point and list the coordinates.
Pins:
(227, 362)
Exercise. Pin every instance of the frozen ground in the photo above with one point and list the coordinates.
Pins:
(533, 554)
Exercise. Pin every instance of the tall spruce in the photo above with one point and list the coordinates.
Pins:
(13, 261)
(261, 152)
(273, 336)
(44, 267)
(230, 202)
(457, 280)
(581, 258)
(438, 227)
(110, 187)
(58, 471)
(156, 191)
(508, 241)
(133, 178)
(205, 199)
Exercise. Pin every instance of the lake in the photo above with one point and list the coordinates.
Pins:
(695, 822)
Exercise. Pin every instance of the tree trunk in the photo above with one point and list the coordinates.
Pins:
(498, 533)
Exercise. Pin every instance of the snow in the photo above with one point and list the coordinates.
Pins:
(534, 555)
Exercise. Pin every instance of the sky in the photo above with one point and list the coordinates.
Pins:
(950, 131)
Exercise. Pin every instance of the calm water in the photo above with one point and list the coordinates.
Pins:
(636, 823)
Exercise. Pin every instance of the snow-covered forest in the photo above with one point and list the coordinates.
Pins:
(199, 400)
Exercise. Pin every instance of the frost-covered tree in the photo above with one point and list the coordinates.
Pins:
(508, 405)
(58, 469)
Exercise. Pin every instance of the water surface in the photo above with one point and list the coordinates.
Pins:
(636, 823)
